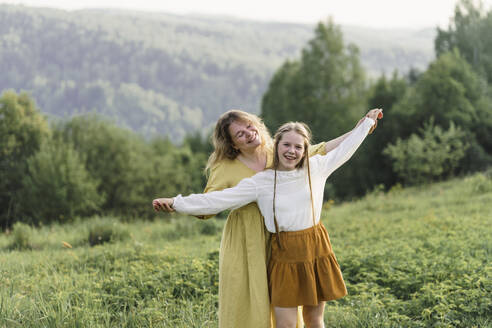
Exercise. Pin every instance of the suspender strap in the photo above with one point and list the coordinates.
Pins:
(311, 192)
(277, 231)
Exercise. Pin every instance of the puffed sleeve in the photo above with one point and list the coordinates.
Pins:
(338, 156)
(217, 201)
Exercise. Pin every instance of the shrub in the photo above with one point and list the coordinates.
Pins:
(209, 228)
(182, 228)
(481, 183)
(22, 234)
(107, 230)
(22, 131)
(58, 186)
(434, 154)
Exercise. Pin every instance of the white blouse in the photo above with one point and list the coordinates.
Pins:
(293, 201)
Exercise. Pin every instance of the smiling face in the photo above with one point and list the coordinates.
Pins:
(290, 150)
(244, 135)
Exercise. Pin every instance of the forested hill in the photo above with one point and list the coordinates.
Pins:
(162, 74)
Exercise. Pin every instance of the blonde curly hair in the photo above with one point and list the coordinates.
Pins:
(222, 139)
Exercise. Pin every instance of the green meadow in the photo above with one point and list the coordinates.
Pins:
(411, 257)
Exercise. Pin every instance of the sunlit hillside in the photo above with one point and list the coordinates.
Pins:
(162, 74)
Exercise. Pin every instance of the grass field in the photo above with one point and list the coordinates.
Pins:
(414, 257)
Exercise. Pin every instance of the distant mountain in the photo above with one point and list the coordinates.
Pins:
(162, 74)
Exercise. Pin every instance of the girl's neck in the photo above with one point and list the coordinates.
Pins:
(255, 159)
(286, 170)
(280, 168)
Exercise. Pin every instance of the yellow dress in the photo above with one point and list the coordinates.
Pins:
(243, 285)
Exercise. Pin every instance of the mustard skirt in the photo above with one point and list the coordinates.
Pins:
(304, 270)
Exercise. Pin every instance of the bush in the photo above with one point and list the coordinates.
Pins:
(22, 130)
(434, 154)
(22, 235)
(209, 228)
(132, 171)
(186, 227)
(183, 228)
(58, 186)
(107, 230)
(481, 183)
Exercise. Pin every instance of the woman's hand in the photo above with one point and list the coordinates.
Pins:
(163, 204)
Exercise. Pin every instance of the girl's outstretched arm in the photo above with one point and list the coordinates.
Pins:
(334, 143)
(210, 203)
(337, 157)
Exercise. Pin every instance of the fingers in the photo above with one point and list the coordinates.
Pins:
(155, 205)
(376, 113)
(168, 207)
(162, 205)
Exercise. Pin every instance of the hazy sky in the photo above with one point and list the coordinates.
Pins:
(373, 13)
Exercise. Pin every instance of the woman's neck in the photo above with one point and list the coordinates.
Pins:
(255, 159)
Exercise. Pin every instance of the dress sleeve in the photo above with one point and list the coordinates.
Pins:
(216, 181)
(318, 149)
(338, 156)
(217, 201)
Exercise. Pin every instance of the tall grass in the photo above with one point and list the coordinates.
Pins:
(416, 257)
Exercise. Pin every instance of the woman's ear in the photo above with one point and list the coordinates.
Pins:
(233, 146)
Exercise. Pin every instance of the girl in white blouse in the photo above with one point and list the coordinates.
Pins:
(303, 269)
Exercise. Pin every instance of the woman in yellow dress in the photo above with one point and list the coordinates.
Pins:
(242, 148)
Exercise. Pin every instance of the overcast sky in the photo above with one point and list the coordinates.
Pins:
(371, 13)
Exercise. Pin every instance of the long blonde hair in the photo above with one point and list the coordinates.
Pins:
(222, 140)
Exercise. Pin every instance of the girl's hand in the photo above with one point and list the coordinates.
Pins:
(375, 114)
(163, 204)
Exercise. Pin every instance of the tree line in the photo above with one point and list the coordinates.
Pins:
(438, 122)
(85, 166)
